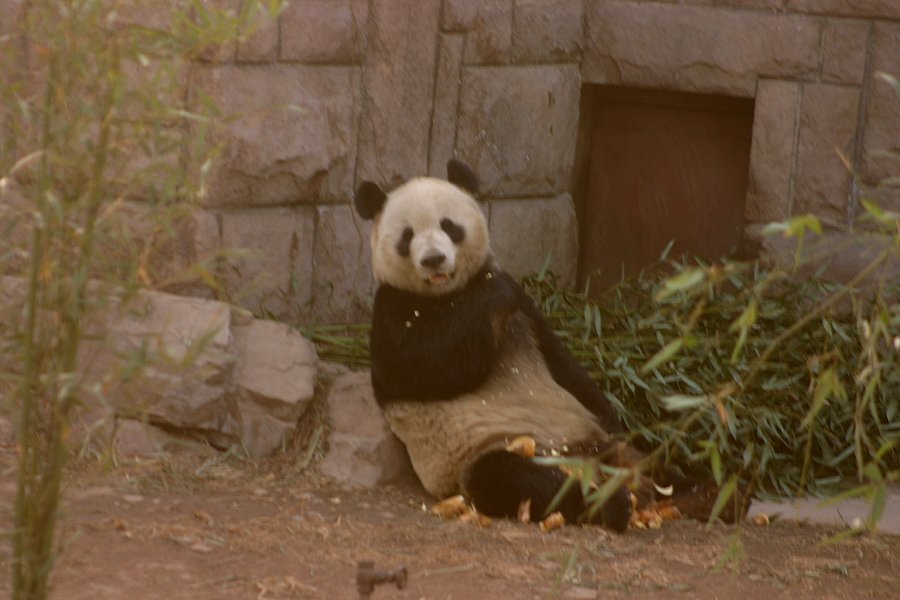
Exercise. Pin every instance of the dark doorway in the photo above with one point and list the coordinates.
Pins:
(655, 167)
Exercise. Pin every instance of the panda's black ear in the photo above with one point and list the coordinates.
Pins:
(369, 199)
(461, 175)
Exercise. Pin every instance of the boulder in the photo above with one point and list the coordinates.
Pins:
(362, 452)
(193, 367)
(273, 380)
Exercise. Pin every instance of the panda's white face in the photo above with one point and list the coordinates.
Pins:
(430, 238)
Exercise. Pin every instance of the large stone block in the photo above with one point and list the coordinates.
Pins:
(173, 244)
(399, 84)
(844, 52)
(343, 282)
(10, 13)
(488, 25)
(695, 48)
(828, 117)
(184, 346)
(772, 151)
(260, 44)
(518, 127)
(884, 9)
(446, 103)
(882, 111)
(273, 381)
(324, 31)
(547, 31)
(526, 233)
(269, 268)
(293, 134)
(362, 450)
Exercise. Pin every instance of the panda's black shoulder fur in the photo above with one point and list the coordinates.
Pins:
(436, 348)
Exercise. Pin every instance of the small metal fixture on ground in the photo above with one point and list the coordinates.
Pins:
(367, 577)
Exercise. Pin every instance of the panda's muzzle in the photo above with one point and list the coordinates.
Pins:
(433, 260)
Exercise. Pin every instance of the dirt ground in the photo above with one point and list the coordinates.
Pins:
(194, 529)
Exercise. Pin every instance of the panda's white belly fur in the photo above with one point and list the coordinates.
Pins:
(444, 438)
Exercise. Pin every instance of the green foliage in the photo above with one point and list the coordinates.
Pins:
(793, 413)
(94, 111)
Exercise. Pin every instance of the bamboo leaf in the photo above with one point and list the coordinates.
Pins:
(725, 494)
(666, 353)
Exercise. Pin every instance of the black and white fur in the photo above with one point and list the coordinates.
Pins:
(463, 362)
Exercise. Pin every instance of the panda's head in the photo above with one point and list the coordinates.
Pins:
(429, 236)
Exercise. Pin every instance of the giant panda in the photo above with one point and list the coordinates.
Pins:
(463, 362)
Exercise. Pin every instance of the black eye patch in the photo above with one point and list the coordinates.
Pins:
(403, 243)
(454, 231)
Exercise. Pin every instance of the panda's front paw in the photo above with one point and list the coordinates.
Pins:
(616, 513)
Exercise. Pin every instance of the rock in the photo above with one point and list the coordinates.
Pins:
(771, 152)
(160, 369)
(325, 31)
(836, 256)
(262, 45)
(274, 380)
(524, 142)
(828, 116)
(696, 48)
(134, 439)
(549, 226)
(271, 266)
(398, 79)
(446, 99)
(882, 9)
(184, 347)
(881, 131)
(343, 286)
(7, 431)
(547, 31)
(362, 450)
(844, 52)
(294, 136)
(488, 25)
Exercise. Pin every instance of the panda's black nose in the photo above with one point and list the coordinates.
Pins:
(433, 260)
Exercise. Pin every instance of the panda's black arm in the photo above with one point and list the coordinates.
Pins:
(432, 349)
(568, 373)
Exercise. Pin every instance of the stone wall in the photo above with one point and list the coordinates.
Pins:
(337, 91)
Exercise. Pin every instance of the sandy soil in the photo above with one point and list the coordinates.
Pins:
(183, 528)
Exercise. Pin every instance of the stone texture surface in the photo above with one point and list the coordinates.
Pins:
(294, 138)
(547, 30)
(772, 151)
(186, 342)
(343, 283)
(9, 15)
(837, 256)
(15, 225)
(324, 31)
(694, 48)
(882, 111)
(362, 450)
(523, 141)
(399, 82)
(261, 44)
(844, 52)
(828, 117)
(273, 382)
(446, 103)
(549, 230)
(172, 242)
(134, 438)
(888, 9)
(488, 24)
(211, 372)
(270, 264)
